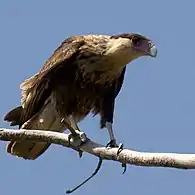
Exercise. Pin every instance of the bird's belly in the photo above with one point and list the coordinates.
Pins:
(84, 95)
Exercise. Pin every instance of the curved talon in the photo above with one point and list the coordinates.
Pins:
(82, 136)
(125, 167)
(112, 144)
(79, 150)
(69, 138)
(80, 153)
(120, 148)
(79, 136)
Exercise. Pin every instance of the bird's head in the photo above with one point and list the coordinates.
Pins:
(142, 46)
(127, 47)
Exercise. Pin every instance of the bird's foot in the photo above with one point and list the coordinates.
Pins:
(113, 144)
(79, 138)
(78, 135)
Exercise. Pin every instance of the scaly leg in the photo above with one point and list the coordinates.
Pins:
(75, 131)
(113, 143)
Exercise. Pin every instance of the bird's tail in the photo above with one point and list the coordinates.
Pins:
(47, 119)
(13, 116)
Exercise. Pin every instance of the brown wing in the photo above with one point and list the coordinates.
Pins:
(38, 88)
(108, 100)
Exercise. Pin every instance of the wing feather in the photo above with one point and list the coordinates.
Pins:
(105, 106)
(119, 82)
(38, 88)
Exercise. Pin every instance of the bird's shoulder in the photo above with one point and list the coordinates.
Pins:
(64, 53)
(75, 44)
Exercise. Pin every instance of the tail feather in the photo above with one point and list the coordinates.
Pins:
(46, 119)
(13, 116)
(27, 150)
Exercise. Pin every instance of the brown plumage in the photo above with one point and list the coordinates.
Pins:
(84, 75)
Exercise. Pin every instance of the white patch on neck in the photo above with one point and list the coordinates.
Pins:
(118, 46)
(119, 52)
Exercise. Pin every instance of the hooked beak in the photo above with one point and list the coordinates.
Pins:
(152, 51)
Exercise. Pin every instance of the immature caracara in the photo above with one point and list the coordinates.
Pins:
(84, 74)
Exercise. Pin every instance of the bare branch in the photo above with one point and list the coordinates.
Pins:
(182, 161)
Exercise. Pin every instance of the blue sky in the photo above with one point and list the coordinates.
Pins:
(154, 111)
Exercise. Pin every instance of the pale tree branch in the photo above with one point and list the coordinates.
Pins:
(182, 161)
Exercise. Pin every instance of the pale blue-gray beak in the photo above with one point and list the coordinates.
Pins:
(153, 51)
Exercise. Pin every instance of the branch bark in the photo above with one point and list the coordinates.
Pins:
(173, 160)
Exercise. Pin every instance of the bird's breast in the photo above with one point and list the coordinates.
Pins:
(82, 96)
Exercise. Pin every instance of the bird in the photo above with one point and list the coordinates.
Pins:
(83, 75)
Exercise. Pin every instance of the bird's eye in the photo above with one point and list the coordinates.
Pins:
(136, 41)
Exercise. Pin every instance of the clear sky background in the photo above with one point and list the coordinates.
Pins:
(154, 111)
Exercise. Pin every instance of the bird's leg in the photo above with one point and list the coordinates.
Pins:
(74, 129)
(75, 132)
(113, 143)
